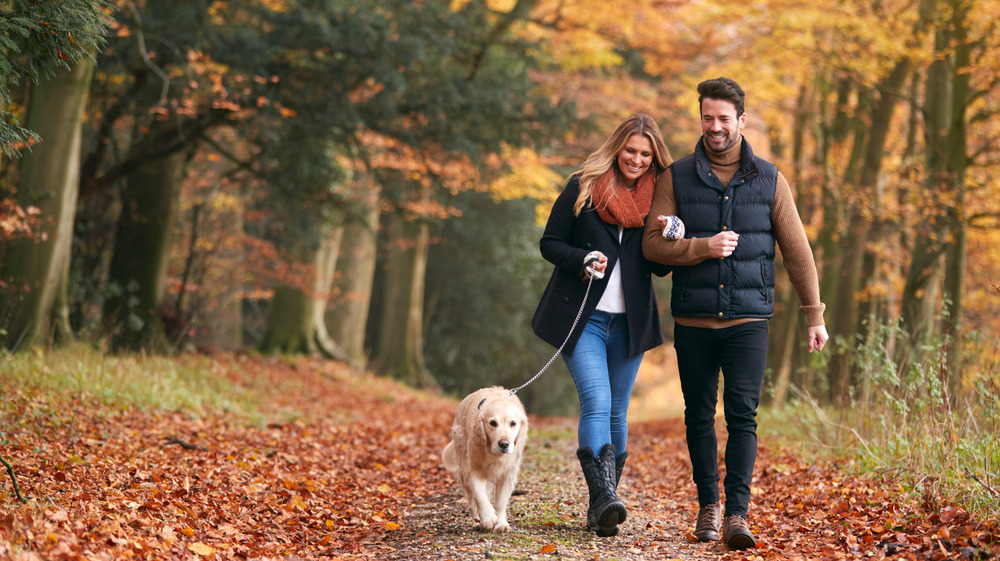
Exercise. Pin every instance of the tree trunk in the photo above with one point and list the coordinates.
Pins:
(50, 177)
(138, 268)
(958, 162)
(400, 351)
(347, 314)
(326, 267)
(847, 272)
(782, 341)
(295, 324)
(947, 93)
(291, 325)
(862, 231)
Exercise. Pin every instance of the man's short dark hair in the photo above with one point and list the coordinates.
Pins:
(722, 88)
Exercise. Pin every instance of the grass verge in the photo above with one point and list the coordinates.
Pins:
(936, 439)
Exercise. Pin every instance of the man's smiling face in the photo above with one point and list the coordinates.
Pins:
(720, 124)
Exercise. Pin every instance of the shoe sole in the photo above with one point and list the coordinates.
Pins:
(713, 537)
(741, 541)
(610, 518)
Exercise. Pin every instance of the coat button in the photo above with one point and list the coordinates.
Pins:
(725, 227)
(722, 286)
(727, 198)
(566, 299)
(720, 314)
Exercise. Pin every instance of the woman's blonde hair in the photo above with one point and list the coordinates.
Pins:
(598, 162)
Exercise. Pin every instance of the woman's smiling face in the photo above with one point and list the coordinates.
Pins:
(635, 158)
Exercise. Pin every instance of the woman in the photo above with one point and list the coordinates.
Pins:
(600, 215)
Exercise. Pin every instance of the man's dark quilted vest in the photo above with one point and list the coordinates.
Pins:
(741, 285)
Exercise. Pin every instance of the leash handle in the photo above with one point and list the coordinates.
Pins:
(559, 350)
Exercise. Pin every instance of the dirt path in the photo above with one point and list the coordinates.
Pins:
(798, 512)
(548, 514)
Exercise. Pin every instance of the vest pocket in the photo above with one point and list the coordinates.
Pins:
(763, 278)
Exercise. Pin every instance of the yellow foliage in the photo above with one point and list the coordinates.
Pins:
(529, 176)
(499, 6)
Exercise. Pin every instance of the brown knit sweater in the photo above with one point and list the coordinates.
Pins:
(788, 231)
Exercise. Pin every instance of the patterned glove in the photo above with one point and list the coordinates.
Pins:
(674, 229)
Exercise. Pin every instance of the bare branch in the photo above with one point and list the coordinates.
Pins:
(976, 478)
(10, 471)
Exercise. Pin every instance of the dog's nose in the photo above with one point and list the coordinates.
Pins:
(503, 444)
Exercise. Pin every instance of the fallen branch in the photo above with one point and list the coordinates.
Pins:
(10, 471)
(975, 477)
(183, 444)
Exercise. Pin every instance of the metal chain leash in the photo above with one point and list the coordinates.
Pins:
(568, 335)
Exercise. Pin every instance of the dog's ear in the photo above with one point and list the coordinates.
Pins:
(480, 430)
(522, 433)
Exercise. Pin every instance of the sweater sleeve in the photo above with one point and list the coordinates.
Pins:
(795, 252)
(687, 251)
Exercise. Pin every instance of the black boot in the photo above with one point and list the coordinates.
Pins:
(619, 466)
(605, 511)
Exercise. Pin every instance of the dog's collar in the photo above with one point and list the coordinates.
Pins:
(480, 406)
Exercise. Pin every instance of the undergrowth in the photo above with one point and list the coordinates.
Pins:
(933, 438)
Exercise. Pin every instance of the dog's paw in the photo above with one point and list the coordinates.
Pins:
(489, 523)
(501, 526)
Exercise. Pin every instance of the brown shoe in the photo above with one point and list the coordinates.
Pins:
(736, 533)
(709, 522)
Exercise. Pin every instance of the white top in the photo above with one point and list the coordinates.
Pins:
(613, 299)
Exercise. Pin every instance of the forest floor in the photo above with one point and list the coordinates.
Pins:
(346, 466)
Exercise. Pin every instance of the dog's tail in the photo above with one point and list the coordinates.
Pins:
(448, 457)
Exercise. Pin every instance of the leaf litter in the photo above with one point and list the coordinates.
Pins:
(349, 468)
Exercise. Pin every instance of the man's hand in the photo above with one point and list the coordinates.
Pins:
(817, 337)
(723, 244)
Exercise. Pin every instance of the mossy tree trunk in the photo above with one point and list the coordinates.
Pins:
(36, 272)
(150, 199)
(347, 315)
(399, 352)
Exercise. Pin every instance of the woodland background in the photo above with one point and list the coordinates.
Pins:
(368, 181)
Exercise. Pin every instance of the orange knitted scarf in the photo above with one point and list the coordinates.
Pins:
(629, 210)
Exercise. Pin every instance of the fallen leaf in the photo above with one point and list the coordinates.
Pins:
(201, 549)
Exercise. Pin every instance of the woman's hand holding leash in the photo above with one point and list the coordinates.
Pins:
(594, 264)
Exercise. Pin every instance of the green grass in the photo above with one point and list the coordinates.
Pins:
(938, 442)
(81, 374)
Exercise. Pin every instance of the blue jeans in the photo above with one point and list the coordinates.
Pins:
(604, 375)
(741, 354)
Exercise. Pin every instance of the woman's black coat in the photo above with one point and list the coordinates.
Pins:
(565, 243)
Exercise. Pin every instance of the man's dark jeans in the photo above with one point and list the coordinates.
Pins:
(741, 353)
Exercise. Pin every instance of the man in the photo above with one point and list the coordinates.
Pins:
(735, 207)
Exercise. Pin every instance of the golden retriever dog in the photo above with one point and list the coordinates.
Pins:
(484, 455)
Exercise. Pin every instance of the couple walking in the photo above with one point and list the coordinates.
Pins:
(713, 218)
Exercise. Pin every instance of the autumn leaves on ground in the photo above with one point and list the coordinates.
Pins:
(338, 464)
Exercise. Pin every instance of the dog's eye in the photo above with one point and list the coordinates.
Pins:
(513, 423)
(493, 423)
